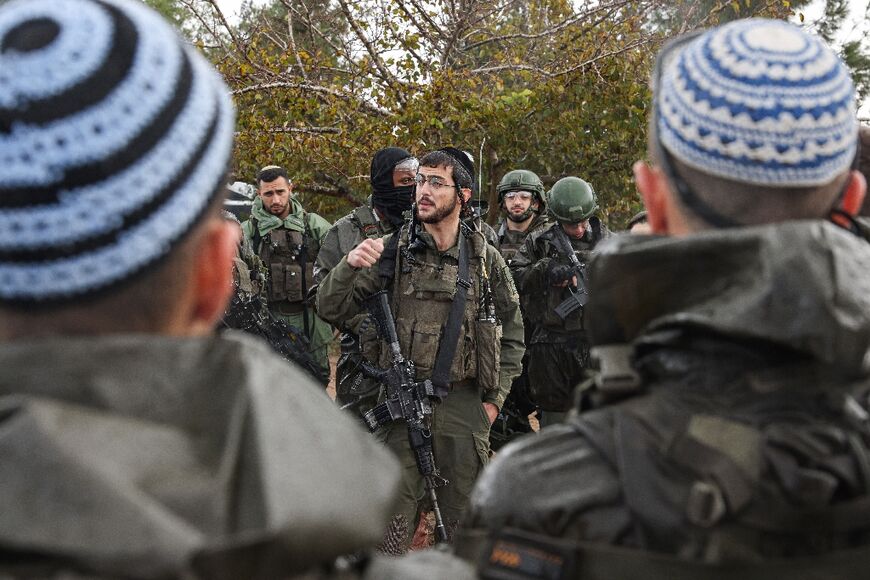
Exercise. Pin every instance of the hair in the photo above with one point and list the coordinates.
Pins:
(748, 203)
(143, 304)
(271, 173)
(441, 159)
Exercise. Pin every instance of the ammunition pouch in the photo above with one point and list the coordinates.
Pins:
(489, 333)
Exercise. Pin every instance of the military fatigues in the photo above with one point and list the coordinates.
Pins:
(510, 241)
(422, 292)
(513, 419)
(744, 437)
(289, 249)
(357, 336)
(558, 350)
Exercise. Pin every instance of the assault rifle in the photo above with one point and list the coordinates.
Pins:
(578, 296)
(406, 400)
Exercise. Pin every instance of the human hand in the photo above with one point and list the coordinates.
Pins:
(491, 412)
(366, 253)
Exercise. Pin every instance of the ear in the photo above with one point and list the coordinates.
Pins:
(466, 194)
(213, 276)
(853, 197)
(653, 188)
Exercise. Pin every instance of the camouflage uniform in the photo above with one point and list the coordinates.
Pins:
(422, 292)
(513, 419)
(289, 249)
(730, 422)
(558, 350)
(358, 337)
(510, 241)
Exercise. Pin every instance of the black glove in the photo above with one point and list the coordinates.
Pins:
(558, 273)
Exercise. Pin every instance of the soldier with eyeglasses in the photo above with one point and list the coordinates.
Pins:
(434, 258)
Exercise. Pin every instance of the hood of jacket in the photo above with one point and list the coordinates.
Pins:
(800, 285)
(144, 457)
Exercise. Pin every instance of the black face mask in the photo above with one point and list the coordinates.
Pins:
(390, 200)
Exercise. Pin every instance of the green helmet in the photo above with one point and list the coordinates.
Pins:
(520, 180)
(572, 200)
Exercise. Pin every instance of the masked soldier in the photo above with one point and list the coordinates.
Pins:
(432, 263)
(392, 178)
(547, 280)
(727, 434)
(521, 198)
(287, 239)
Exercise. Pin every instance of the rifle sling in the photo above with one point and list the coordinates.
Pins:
(450, 337)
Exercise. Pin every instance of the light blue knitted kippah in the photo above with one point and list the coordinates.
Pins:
(114, 137)
(759, 101)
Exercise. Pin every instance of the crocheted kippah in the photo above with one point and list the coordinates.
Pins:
(758, 101)
(114, 137)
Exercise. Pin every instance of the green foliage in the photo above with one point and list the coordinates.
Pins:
(555, 86)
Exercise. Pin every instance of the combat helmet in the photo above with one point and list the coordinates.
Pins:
(521, 180)
(572, 200)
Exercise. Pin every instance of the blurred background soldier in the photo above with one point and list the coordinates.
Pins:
(521, 199)
(392, 178)
(558, 350)
(248, 309)
(287, 239)
(730, 436)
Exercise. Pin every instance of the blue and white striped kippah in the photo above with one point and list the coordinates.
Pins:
(759, 101)
(114, 138)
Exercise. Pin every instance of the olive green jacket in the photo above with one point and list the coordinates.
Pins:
(345, 234)
(141, 456)
(343, 290)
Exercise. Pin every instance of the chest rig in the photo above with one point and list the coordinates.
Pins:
(289, 259)
(424, 287)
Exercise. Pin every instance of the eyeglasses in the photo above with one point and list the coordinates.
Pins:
(523, 195)
(435, 182)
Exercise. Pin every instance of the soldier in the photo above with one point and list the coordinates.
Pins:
(287, 239)
(558, 351)
(248, 309)
(392, 177)
(729, 435)
(135, 443)
(421, 267)
(521, 198)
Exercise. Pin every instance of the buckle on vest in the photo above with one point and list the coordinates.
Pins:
(706, 505)
(616, 374)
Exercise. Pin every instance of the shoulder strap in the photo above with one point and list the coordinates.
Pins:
(450, 336)
(256, 238)
(365, 219)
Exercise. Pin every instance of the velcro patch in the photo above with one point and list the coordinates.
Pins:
(515, 555)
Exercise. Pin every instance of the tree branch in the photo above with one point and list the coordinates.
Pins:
(315, 89)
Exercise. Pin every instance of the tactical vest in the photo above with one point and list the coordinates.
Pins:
(777, 487)
(510, 242)
(421, 299)
(289, 257)
(365, 220)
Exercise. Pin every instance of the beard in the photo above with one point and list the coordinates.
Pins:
(439, 213)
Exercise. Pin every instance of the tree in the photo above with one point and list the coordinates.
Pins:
(555, 86)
